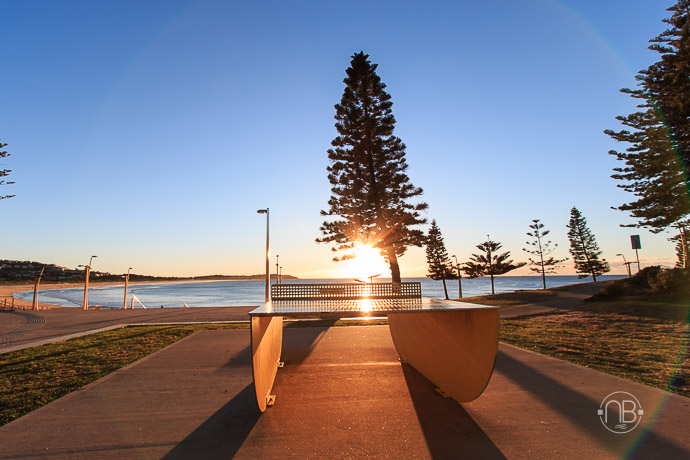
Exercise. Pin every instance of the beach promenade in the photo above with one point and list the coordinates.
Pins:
(342, 394)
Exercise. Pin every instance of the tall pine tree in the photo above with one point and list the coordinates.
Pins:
(657, 160)
(541, 248)
(584, 248)
(440, 266)
(4, 172)
(489, 262)
(652, 172)
(667, 82)
(682, 250)
(372, 198)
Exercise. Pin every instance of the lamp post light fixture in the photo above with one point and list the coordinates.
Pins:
(627, 264)
(457, 265)
(87, 269)
(268, 256)
(124, 305)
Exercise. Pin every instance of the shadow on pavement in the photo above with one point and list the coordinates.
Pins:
(222, 435)
(450, 432)
(581, 411)
(241, 359)
(298, 347)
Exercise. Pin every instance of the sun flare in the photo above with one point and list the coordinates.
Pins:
(368, 262)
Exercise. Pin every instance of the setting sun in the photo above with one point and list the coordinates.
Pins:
(367, 262)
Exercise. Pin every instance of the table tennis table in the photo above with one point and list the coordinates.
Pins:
(453, 344)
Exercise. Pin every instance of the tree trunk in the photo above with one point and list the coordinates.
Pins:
(393, 261)
(445, 290)
(683, 247)
(492, 284)
(541, 257)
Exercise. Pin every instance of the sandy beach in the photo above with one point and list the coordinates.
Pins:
(7, 291)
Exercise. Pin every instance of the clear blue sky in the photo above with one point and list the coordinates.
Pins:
(150, 132)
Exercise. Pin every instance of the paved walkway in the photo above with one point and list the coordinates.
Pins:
(341, 395)
(566, 298)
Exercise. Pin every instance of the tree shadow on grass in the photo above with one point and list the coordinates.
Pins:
(450, 432)
(222, 434)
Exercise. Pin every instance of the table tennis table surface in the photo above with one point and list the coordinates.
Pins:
(359, 307)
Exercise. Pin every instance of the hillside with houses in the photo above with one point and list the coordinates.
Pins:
(24, 271)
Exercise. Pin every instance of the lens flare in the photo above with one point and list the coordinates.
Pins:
(367, 263)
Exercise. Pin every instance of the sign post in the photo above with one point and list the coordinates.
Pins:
(635, 241)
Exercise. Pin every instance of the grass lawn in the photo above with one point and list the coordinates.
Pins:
(641, 339)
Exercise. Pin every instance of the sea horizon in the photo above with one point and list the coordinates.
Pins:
(229, 293)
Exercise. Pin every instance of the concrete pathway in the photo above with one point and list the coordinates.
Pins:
(567, 298)
(341, 395)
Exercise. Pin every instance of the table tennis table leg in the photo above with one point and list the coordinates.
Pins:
(267, 343)
(454, 349)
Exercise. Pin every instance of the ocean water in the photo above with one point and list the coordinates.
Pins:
(250, 293)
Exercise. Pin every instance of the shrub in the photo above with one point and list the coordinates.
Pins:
(674, 281)
(653, 280)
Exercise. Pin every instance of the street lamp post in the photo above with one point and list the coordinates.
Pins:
(277, 270)
(268, 255)
(626, 263)
(87, 269)
(124, 305)
(457, 265)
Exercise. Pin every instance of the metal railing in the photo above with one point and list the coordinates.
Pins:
(335, 291)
